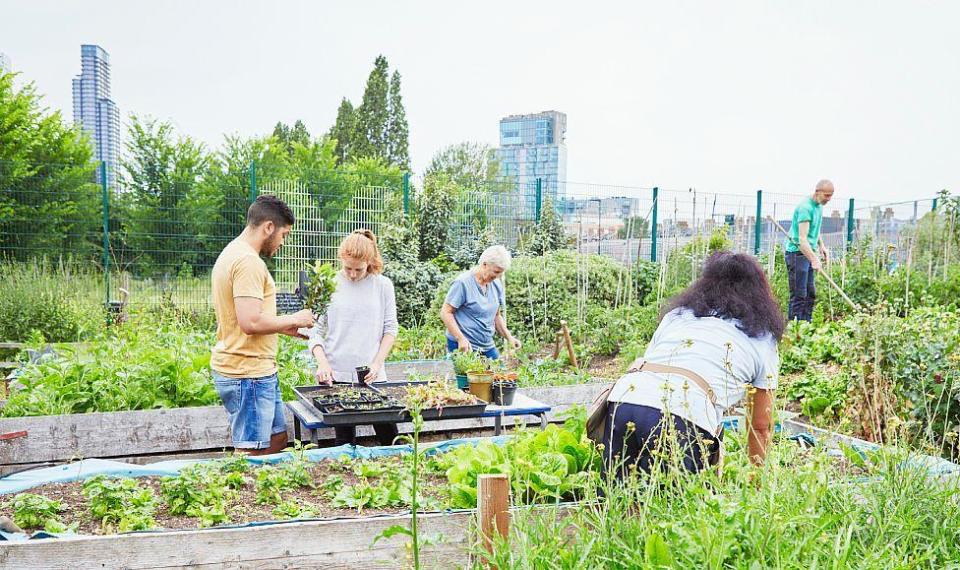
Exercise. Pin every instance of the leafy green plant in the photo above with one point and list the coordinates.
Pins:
(293, 509)
(555, 463)
(272, 480)
(145, 364)
(234, 469)
(819, 393)
(121, 504)
(36, 511)
(200, 491)
(323, 282)
(548, 372)
(472, 361)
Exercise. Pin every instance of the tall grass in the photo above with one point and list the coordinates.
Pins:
(803, 509)
(62, 301)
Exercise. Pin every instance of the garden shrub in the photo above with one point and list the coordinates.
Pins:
(414, 284)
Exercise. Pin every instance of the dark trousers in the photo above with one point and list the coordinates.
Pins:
(635, 435)
(386, 433)
(803, 291)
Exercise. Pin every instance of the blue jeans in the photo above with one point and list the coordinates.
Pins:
(255, 408)
(491, 353)
(803, 291)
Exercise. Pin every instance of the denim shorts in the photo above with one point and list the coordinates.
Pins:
(255, 409)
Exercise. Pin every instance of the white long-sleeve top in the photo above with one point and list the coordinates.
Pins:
(359, 315)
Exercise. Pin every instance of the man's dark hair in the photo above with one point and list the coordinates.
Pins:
(733, 286)
(268, 208)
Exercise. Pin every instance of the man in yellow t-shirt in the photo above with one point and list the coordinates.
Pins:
(244, 360)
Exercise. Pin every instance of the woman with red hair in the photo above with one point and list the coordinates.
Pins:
(359, 326)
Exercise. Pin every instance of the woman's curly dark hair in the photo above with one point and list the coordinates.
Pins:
(733, 286)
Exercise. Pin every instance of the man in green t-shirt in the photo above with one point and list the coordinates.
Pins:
(804, 250)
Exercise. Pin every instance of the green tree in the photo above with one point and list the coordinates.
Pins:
(468, 164)
(49, 200)
(162, 171)
(287, 136)
(398, 131)
(343, 130)
(549, 234)
(369, 139)
(434, 211)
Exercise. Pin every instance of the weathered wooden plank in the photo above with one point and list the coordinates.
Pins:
(346, 544)
(152, 432)
(111, 434)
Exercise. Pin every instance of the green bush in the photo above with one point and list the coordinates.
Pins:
(419, 343)
(414, 283)
(542, 291)
(608, 331)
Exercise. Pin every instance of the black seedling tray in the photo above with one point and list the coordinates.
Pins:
(329, 394)
(337, 415)
(454, 412)
(338, 411)
(447, 412)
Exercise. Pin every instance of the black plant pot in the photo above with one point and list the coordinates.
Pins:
(503, 393)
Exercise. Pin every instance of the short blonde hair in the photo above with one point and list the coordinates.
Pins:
(496, 255)
(361, 245)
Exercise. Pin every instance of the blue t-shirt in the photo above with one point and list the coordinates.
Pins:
(475, 310)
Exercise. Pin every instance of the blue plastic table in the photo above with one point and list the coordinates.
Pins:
(310, 419)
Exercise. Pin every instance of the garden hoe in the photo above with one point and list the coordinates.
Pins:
(821, 271)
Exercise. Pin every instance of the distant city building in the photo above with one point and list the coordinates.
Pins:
(531, 147)
(610, 207)
(5, 65)
(94, 110)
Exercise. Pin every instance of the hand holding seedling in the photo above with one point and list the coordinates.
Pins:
(301, 319)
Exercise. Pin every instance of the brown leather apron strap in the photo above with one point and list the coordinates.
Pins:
(667, 369)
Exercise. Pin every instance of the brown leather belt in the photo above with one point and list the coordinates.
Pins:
(667, 369)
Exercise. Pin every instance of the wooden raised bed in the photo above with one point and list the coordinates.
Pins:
(334, 544)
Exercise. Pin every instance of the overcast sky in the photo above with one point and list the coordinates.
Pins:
(721, 96)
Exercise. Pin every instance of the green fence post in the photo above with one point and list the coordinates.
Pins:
(653, 226)
(539, 206)
(934, 208)
(253, 181)
(106, 234)
(850, 225)
(406, 193)
(758, 226)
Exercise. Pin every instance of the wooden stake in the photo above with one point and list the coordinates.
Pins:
(493, 507)
(569, 343)
(556, 345)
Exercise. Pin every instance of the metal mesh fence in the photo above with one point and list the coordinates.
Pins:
(155, 244)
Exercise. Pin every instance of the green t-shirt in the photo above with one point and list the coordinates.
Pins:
(806, 211)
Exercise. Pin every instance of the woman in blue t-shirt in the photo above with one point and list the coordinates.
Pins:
(473, 308)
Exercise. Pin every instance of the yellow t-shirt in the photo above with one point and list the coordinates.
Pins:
(239, 272)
